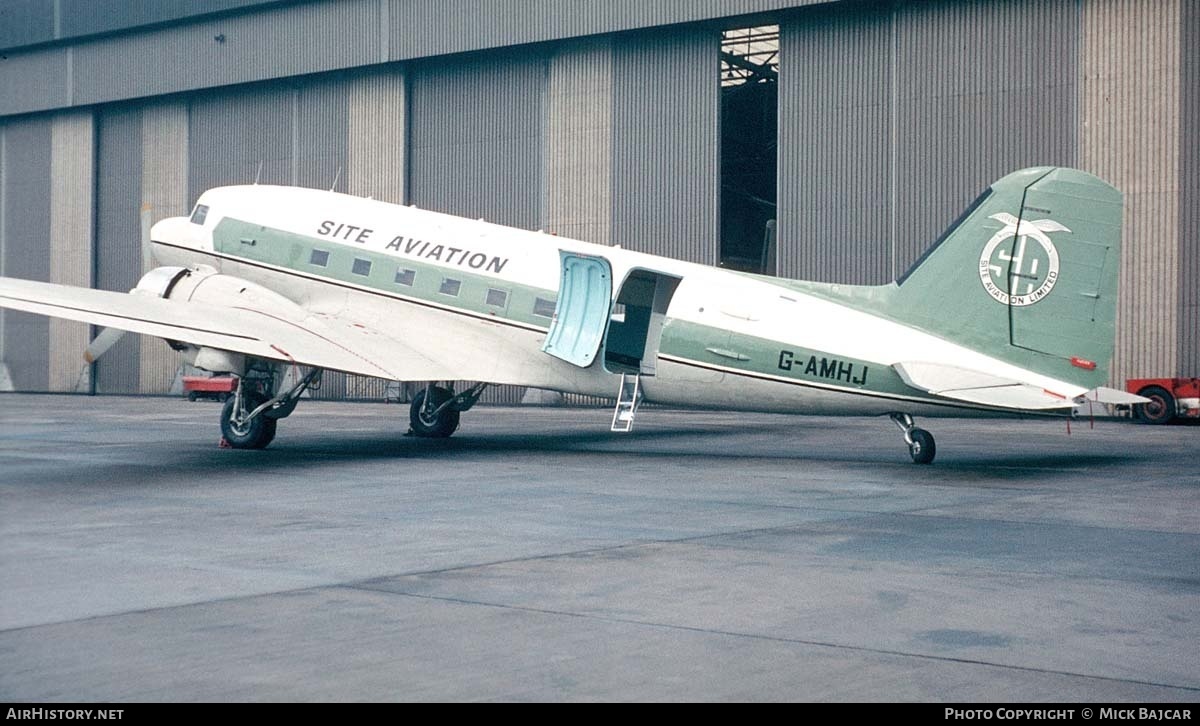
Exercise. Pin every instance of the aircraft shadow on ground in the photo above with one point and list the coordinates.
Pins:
(679, 448)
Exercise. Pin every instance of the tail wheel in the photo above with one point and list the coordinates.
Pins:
(428, 421)
(922, 448)
(256, 433)
(1161, 407)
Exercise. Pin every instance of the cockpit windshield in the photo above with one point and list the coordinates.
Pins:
(199, 214)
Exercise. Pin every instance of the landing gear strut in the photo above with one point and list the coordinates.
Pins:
(251, 414)
(239, 429)
(920, 442)
(435, 411)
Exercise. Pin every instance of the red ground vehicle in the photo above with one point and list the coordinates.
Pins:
(216, 387)
(1169, 398)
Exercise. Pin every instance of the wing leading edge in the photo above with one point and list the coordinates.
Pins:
(323, 342)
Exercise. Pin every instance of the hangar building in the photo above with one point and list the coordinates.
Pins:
(820, 140)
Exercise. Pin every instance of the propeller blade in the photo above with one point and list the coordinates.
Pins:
(108, 337)
(101, 343)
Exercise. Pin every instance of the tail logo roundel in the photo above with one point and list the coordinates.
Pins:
(1028, 273)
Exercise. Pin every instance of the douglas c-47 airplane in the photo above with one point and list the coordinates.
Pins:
(1010, 311)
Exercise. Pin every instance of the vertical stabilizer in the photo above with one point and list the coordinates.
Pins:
(1028, 274)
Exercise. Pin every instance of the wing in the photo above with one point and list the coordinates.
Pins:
(320, 341)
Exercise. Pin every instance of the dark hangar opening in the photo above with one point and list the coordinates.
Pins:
(749, 144)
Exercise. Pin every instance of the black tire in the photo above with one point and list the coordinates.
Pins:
(436, 427)
(256, 434)
(192, 396)
(1161, 408)
(922, 449)
(270, 425)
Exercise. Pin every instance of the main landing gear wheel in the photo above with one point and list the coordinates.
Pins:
(1161, 407)
(921, 446)
(430, 419)
(256, 433)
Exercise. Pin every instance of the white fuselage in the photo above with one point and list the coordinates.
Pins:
(748, 324)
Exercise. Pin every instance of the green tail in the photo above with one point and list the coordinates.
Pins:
(1028, 275)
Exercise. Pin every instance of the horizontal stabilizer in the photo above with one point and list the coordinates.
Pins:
(963, 384)
(1111, 395)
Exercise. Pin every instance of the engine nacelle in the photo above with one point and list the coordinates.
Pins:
(160, 281)
(204, 285)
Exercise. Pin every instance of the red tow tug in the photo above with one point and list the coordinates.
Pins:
(1169, 398)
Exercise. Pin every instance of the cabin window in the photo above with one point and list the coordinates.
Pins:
(450, 286)
(320, 258)
(200, 213)
(496, 298)
(405, 277)
(543, 307)
(361, 267)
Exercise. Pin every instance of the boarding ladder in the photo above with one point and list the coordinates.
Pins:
(628, 399)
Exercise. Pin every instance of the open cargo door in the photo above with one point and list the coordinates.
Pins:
(582, 313)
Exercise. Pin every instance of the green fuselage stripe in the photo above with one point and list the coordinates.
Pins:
(682, 341)
(255, 243)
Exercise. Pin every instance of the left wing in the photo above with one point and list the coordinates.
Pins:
(323, 342)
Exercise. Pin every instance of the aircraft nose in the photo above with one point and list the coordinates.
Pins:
(166, 239)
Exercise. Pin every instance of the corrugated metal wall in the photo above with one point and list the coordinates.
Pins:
(1130, 134)
(26, 21)
(665, 164)
(35, 80)
(973, 104)
(321, 141)
(1189, 179)
(118, 234)
(234, 133)
(579, 141)
(413, 27)
(24, 211)
(277, 42)
(836, 146)
(39, 21)
(475, 24)
(85, 17)
(72, 156)
(893, 119)
(377, 156)
(164, 187)
(304, 37)
(476, 137)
